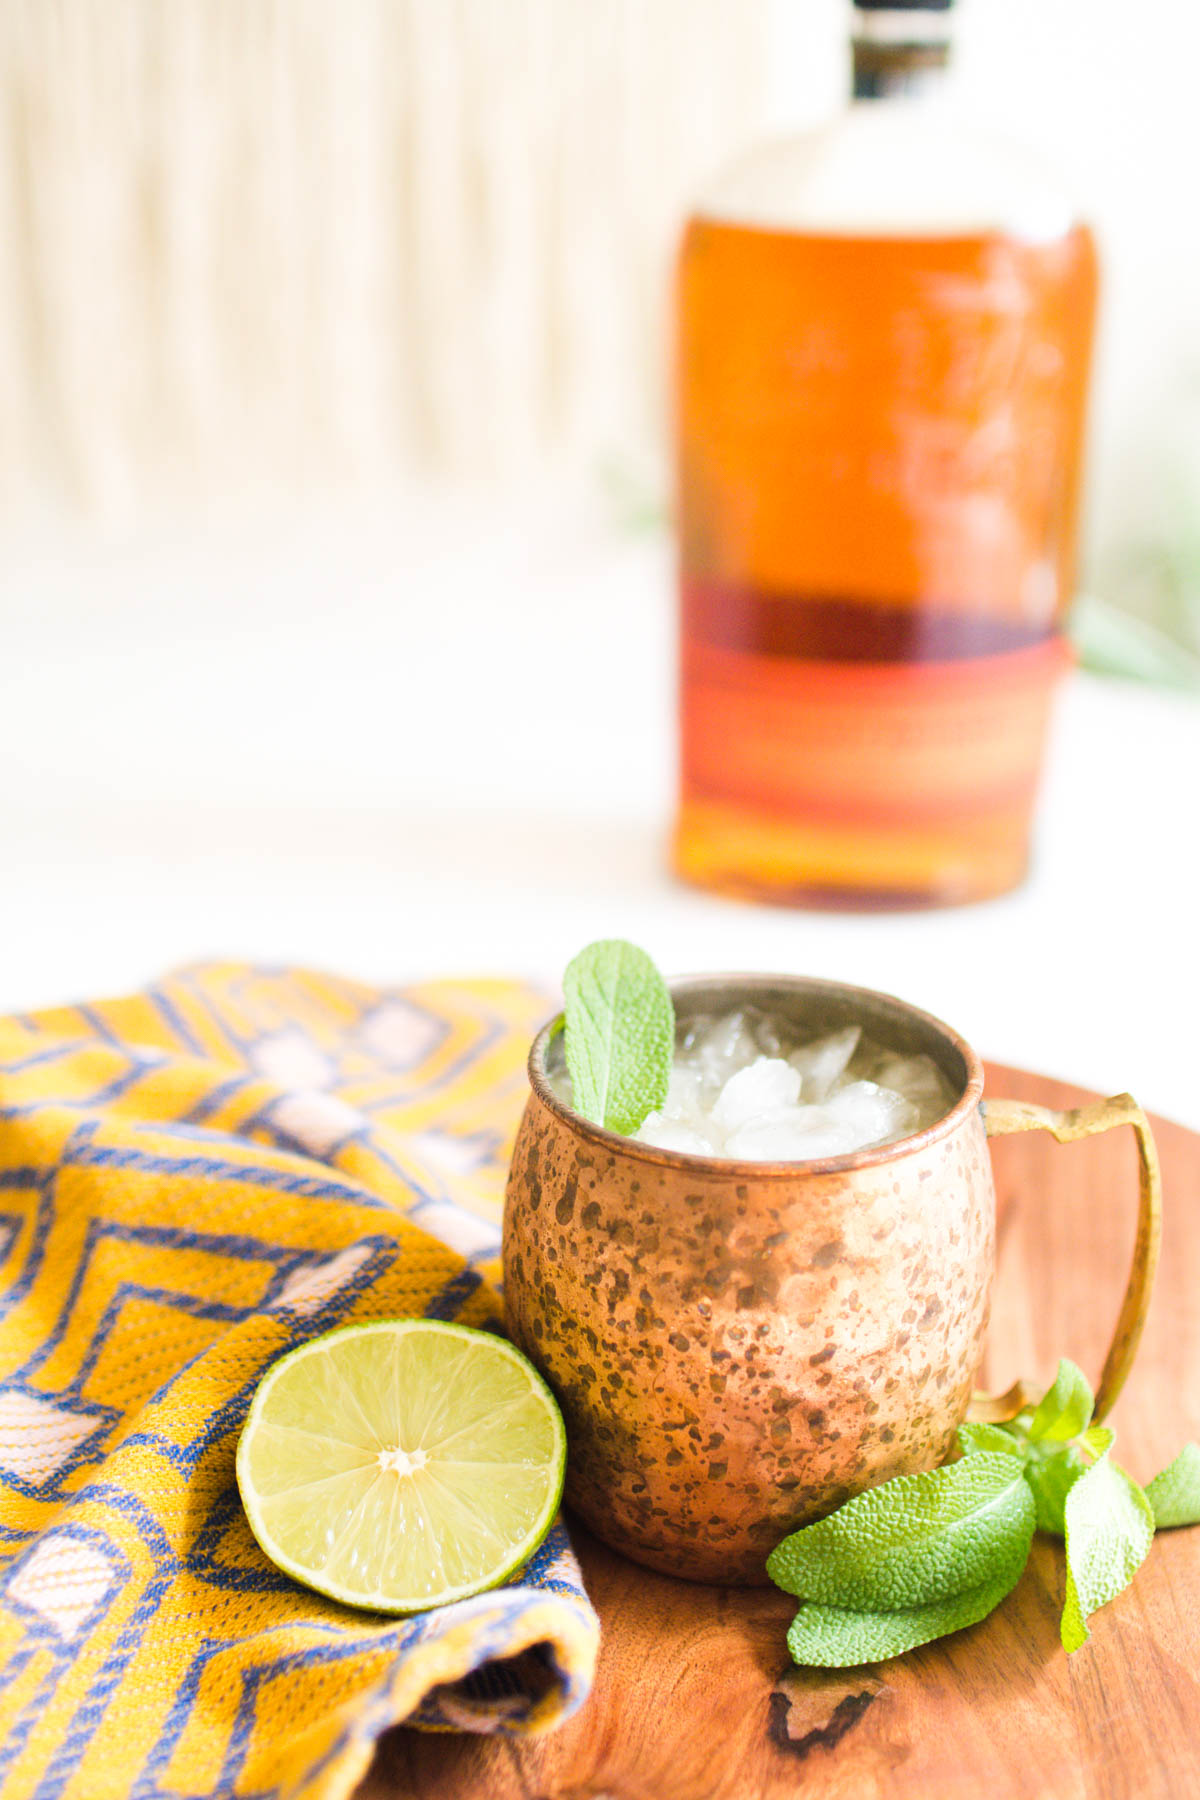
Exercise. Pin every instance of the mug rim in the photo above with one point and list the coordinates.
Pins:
(871, 1157)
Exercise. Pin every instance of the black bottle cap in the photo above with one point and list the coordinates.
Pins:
(899, 46)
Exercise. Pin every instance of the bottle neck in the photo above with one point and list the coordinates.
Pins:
(900, 51)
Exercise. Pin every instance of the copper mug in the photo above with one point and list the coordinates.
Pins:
(738, 1347)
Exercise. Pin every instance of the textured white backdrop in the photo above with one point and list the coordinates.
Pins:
(254, 245)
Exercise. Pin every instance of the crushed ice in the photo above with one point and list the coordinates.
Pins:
(739, 1089)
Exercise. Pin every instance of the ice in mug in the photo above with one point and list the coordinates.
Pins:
(751, 1087)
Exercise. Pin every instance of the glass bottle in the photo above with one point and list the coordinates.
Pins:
(883, 342)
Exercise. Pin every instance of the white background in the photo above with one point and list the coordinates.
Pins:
(432, 730)
(433, 734)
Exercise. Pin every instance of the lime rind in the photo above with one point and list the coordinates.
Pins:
(339, 1420)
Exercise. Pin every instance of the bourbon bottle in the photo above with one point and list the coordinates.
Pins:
(883, 341)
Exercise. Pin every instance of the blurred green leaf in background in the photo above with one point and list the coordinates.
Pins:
(1112, 641)
(1139, 617)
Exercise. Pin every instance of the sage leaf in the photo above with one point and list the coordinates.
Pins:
(1109, 1530)
(913, 1540)
(833, 1637)
(1097, 1439)
(988, 1437)
(1174, 1495)
(620, 1034)
(1066, 1408)
(1051, 1479)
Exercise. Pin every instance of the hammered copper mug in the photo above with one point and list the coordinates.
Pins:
(738, 1347)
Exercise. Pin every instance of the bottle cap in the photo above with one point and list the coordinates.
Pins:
(899, 45)
(901, 21)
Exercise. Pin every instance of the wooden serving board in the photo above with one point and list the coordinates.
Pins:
(696, 1697)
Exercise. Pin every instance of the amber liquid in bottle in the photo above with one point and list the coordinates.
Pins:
(879, 441)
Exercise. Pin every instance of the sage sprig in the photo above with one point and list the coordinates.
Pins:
(924, 1555)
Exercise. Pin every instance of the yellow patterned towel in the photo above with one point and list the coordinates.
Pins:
(192, 1181)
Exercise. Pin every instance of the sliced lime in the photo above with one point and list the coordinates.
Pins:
(401, 1464)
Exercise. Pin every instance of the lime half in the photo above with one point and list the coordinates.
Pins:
(401, 1464)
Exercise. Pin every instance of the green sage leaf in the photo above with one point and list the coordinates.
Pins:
(913, 1540)
(620, 1034)
(1109, 1529)
(832, 1637)
(1174, 1495)
(1066, 1408)
(988, 1437)
(1051, 1479)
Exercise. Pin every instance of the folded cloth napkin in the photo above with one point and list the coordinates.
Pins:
(192, 1181)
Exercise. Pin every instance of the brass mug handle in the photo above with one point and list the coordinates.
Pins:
(1000, 1117)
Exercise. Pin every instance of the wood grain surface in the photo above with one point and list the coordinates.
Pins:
(696, 1698)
